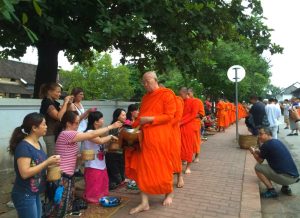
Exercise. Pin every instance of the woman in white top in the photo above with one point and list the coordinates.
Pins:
(95, 173)
(77, 106)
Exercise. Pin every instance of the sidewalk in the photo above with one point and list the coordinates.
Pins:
(223, 184)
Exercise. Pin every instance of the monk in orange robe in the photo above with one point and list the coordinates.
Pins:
(201, 114)
(221, 113)
(187, 128)
(176, 142)
(154, 169)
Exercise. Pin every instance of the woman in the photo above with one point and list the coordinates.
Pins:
(95, 173)
(67, 148)
(52, 111)
(114, 158)
(78, 95)
(132, 114)
(30, 163)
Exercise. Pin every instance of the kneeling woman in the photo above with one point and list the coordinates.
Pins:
(95, 173)
(67, 148)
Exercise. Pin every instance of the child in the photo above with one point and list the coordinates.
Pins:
(95, 173)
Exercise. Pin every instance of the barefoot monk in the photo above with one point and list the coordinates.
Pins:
(154, 169)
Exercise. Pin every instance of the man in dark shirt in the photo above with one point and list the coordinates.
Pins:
(258, 114)
(281, 167)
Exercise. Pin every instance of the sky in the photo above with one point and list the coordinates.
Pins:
(282, 16)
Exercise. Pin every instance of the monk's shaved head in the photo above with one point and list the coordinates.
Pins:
(183, 92)
(150, 81)
(150, 74)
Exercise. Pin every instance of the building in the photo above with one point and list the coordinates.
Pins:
(288, 92)
(16, 79)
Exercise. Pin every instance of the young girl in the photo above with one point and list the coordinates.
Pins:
(95, 173)
(30, 163)
(67, 148)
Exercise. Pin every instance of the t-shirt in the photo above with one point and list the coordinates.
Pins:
(273, 114)
(279, 158)
(258, 112)
(67, 150)
(99, 161)
(52, 124)
(35, 184)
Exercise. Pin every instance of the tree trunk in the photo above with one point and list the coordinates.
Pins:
(46, 71)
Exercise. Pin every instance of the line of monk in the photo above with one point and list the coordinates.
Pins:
(169, 135)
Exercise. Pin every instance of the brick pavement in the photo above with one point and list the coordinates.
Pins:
(221, 185)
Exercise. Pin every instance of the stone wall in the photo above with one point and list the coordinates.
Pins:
(12, 112)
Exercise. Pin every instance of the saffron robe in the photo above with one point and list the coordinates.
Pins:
(154, 169)
(221, 113)
(187, 128)
(176, 136)
(201, 113)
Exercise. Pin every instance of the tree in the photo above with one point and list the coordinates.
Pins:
(99, 79)
(166, 32)
(214, 61)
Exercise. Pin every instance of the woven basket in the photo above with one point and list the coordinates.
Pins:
(88, 155)
(246, 141)
(53, 173)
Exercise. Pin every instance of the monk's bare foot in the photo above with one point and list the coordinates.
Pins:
(139, 208)
(180, 182)
(196, 160)
(168, 200)
(188, 171)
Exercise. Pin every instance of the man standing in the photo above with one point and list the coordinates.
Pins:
(273, 114)
(280, 168)
(187, 128)
(258, 114)
(154, 166)
(201, 113)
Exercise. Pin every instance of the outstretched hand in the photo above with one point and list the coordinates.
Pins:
(145, 120)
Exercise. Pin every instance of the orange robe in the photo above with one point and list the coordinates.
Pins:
(201, 113)
(221, 113)
(187, 128)
(154, 169)
(176, 136)
(232, 113)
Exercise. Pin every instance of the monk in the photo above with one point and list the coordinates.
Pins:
(154, 169)
(201, 113)
(187, 128)
(176, 141)
(221, 115)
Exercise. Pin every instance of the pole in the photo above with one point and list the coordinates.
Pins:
(236, 106)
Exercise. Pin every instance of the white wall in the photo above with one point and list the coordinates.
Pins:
(12, 112)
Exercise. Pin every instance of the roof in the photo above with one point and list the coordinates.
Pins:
(17, 70)
(291, 88)
(15, 89)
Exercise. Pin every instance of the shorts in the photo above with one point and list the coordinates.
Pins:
(287, 119)
(281, 179)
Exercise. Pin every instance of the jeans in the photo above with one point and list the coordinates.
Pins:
(27, 206)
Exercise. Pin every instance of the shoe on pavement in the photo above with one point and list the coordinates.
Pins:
(291, 134)
(295, 133)
(286, 190)
(269, 194)
(286, 128)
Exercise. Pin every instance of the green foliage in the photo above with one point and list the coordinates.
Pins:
(214, 61)
(99, 79)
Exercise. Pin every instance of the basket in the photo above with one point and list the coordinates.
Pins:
(247, 141)
(88, 155)
(53, 173)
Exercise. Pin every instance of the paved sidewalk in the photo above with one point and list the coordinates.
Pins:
(221, 185)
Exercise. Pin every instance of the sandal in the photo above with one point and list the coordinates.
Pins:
(110, 201)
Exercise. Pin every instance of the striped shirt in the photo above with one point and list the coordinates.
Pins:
(67, 150)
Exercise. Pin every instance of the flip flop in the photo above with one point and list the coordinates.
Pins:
(110, 201)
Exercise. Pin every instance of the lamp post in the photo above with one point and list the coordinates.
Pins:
(235, 74)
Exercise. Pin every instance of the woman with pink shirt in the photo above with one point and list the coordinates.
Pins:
(67, 148)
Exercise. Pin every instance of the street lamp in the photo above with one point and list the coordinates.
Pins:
(236, 73)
